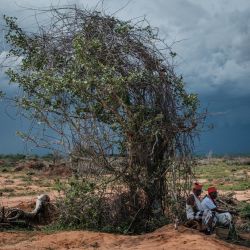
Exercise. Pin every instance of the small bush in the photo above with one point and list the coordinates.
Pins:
(84, 207)
(245, 210)
(79, 207)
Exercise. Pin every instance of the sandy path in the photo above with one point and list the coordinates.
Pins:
(165, 238)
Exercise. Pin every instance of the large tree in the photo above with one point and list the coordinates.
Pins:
(108, 87)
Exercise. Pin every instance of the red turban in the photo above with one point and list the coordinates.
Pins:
(197, 186)
(211, 190)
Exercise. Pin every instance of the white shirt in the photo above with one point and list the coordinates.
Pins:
(189, 209)
(207, 203)
(198, 203)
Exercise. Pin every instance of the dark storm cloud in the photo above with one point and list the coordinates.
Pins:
(219, 60)
(214, 47)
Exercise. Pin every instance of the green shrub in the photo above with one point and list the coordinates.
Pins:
(245, 210)
(84, 206)
(79, 208)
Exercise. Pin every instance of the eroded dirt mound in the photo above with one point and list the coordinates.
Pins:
(164, 238)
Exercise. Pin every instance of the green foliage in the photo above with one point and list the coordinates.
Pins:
(97, 87)
(81, 205)
(245, 210)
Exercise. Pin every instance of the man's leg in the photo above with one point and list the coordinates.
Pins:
(209, 221)
(224, 219)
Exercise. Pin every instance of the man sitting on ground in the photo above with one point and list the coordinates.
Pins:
(223, 217)
(194, 209)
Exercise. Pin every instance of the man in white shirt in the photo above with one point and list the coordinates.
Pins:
(223, 217)
(194, 209)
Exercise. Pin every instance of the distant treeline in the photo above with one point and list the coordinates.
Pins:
(17, 157)
(50, 156)
(214, 155)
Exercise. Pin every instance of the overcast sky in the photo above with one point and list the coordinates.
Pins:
(212, 40)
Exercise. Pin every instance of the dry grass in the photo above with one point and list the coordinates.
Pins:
(226, 174)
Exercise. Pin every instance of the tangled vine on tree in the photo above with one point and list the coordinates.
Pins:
(107, 87)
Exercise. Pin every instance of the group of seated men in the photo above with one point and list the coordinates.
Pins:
(206, 210)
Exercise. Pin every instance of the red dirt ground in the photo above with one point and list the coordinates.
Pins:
(164, 238)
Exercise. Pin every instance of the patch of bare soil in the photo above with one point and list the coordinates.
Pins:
(164, 238)
(243, 195)
(17, 192)
(24, 202)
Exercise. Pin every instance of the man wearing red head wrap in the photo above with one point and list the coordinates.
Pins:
(209, 202)
(194, 208)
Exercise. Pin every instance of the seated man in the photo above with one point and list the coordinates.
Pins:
(196, 212)
(194, 209)
(223, 217)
